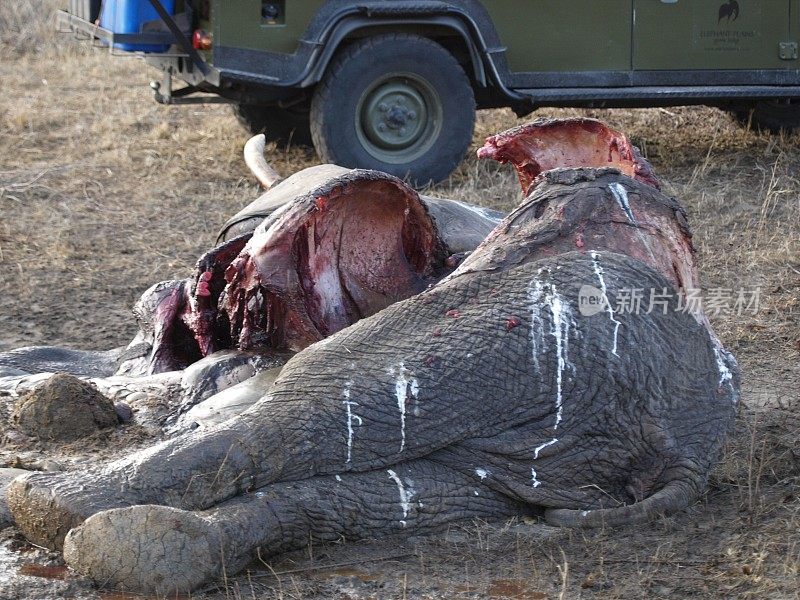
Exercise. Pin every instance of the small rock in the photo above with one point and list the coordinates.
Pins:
(63, 409)
(124, 412)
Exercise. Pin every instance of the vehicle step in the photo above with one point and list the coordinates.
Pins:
(659, 93)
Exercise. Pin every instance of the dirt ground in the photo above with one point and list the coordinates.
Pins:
(103, 193)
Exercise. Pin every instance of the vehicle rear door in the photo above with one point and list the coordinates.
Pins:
(711, 35)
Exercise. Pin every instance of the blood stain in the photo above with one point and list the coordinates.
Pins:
(46, 571)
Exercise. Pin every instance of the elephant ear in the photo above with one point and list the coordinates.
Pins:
(547, 144)
(268, 205)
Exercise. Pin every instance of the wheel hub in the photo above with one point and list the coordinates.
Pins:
(391, 116)
(397, 116)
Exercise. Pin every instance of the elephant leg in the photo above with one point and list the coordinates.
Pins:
(152, 548)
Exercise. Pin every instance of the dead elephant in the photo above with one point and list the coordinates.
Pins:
(489, 394)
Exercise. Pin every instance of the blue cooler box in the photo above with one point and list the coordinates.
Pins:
(128, 16)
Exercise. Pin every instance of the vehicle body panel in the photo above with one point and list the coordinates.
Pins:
(239, 23)
(710, 34)
(552, 35)
(268, 57)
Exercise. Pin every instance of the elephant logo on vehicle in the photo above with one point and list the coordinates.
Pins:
(729, 11)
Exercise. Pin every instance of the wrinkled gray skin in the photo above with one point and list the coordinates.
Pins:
(487, 395)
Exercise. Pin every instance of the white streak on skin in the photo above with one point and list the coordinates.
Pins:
(415, 395)
(560, 332)
(349, 404)
(542, 447)
(402, 386)
(725, 374)
(621, 196)
(338, 478)
(535, 293)
(482, 473)
(536, 482)
(599, 272)
(480, 210)
(562, 318)
(406, 493)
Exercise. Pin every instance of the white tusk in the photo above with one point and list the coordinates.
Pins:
(255, 161)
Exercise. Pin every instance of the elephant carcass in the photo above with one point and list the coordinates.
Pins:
(488, 394)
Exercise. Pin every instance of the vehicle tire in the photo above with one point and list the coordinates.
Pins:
(285, 126)
(771, 115)
(397, 103)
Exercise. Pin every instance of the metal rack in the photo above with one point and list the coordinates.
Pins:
(178, 41)
(70, 23)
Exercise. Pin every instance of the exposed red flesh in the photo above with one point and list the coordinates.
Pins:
(200, 312)
(547, 144)
(578, 211)
(172, 346)
(345, 249)
(328, 262)
(337, 254)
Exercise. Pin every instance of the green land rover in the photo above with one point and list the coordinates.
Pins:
(394, 84)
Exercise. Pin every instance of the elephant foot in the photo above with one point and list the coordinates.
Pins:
(148, 548)
(43, 514)
(6, 477)
(190, 472)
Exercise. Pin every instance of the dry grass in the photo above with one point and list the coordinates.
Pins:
(103, 193)
(27, 27)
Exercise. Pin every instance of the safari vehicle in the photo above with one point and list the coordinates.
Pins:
(394, 84)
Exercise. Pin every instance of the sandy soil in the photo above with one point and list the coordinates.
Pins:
(103, 192)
